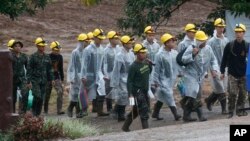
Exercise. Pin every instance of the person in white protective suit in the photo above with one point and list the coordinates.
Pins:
(91, 72)
(166, 71)
(189, 37)
(199, 58)
(118, 81)
(110, 51)
(153, 47)
(73, 74)
(218, 43)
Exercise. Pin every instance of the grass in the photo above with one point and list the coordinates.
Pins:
(74, 128)
(6, 136)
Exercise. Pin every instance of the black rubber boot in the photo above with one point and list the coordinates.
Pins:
(127, 123)
(109, 104)
(156, 112)
(210, 100)
(230, 115)
(144, 123)
(187, 115)
(100, 112)
(121, 113)
(174, 111)
(70, 109)
(79, 112)
(94, 106)
(200, 114)
(223, 106)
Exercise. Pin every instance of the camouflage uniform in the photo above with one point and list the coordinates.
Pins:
(236, 52)
(19, 80)
(57, 64)
(39, 71)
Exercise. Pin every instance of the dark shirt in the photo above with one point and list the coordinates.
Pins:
(19, 64)
(138, 77)
(57, 65)
(235, 59)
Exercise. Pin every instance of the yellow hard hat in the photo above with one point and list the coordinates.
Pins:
(149, 30)
(139, 48)
(190, 27)
(40, 42)
(82, 37)
(200, 35)
(165, 37)
(99, 34)
(240, 28)
(90, 35)
(12, 42)
(55, 45)
(219, 22)
(126, 39)
(112, 34)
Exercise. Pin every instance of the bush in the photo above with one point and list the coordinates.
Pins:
(34, 129)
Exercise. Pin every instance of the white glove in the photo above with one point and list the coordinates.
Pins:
(131, 101)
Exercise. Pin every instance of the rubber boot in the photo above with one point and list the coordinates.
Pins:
(230, 114)
(187, 115)
(79, 112)
(223, 104)
(114, 112)
(249, 99)
(70, 109)
(127, 123)
(109, 104)
(121, 113)
(174, 111)
(144, 123)
(156, 112)
(94, 106)
(210, 100)
(100, 112)
(200, 114)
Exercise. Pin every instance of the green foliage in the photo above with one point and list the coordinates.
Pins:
(90, 2)
(141, 13)
(8, 136)
(78, 128)
(14, 8)
(35, 129)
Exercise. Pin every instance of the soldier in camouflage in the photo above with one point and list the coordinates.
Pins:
(38, 73)
(19, 65)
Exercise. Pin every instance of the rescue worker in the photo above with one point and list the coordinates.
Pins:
(91, 72)
(57, 66)
(19, 65)
(109, 56)
(73, 74)
(153, 47)
(199, 58)
(38, 73)
(137, 85)
(234, 58)
(166, 71)
(123, 60)
(188, 40)
(218, 43)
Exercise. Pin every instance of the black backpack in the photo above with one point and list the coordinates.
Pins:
(179, 57)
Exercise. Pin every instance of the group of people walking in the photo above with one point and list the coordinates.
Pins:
(128, 73)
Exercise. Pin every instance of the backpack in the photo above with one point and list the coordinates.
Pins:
(231, 44)
(179, 57)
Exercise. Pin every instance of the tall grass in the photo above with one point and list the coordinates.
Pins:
(74, 128)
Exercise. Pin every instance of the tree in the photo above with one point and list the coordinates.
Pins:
(13, 8)
(140, 13)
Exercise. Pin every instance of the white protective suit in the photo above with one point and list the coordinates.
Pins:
(152, 51)
(73, 72)
(166, 71)
(184, 43)
(218, 44)
(195, 71)
(92, 70)
(118, 81)
(108, 65)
